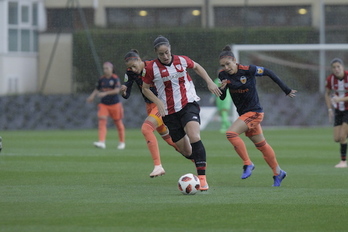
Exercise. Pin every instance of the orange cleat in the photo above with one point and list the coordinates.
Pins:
(203, 183)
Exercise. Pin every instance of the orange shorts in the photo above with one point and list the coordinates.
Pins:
(152, 111)
(252, 120)
(115, 111)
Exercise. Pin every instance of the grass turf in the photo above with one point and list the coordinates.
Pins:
(57, 181)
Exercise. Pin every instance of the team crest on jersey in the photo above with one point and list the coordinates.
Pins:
(243, 79)
(178, 66)
(125, 77)
(144, 72)
(111, 82)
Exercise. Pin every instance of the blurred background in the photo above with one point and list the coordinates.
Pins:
(51, 53)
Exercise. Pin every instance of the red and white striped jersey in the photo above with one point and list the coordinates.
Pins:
(174, 85)
(340, 88)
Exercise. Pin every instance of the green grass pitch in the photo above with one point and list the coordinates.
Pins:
(57, 181)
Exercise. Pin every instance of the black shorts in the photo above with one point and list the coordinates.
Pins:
(176, 122)
(341, 117)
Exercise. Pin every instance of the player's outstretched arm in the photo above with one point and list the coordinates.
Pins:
(116, 90)
(210, 83)
(289, 92)
(152, 97)
(91, 97)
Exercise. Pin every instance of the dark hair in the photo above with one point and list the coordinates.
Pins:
(160, 40)
(226, 52)
(336, 60)
(133, 54)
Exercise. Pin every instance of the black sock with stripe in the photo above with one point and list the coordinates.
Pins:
(199, 156)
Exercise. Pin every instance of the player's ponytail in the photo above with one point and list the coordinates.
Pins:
(133, 54)
(227, 52)
(160, 40)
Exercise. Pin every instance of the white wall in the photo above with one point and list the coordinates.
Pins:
(60, 76)
(18, 74)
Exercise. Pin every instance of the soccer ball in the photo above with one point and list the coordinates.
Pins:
(188, 184)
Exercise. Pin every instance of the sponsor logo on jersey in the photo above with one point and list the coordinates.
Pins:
(174, 76)
(125, 77)
(111, 82)
(195, 117)
(243, 79)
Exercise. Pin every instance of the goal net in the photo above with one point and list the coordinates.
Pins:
(303, 67)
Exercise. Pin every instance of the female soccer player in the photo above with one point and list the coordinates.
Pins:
(240, 80)
(135, 67)
(337, 85)
(108, 88)
(177, 101)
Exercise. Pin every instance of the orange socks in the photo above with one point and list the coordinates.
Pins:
(102, 130)
(239, 146)
(147, 129)
(121, 130)
(163, 131)
(269, 156)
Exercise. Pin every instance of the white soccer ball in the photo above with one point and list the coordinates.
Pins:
(188, 184)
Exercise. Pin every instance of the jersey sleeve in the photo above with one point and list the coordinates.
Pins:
(190, 63)
(148, 75)
(117, 82)
(328, 82)
(274, 77)
(128, 81)
(257, 70)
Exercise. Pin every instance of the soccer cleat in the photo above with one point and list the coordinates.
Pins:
(203, 183)
(342, 164)
(121, 146)
(0, 144)
(247, 170)
(157, 171)
(278, 179)
(99, 145)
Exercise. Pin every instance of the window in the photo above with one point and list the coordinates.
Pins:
(153, 17)
(25, 14)
(68, 19)
(255, 16)
(25, 40)
(13, 40)
(336, 15)
(13, 13)
(35, 14)
(22, 26)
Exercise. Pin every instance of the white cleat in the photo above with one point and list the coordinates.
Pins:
(121, 146)
(99, 145)
(157, 171)
(342, 164)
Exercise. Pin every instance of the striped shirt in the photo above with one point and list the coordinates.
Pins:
(174, 85)
(340, 88)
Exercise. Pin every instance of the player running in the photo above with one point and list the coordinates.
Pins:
(337, 86)
(177, 101)
(240, 80)
(135, 67)
(108, 88)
